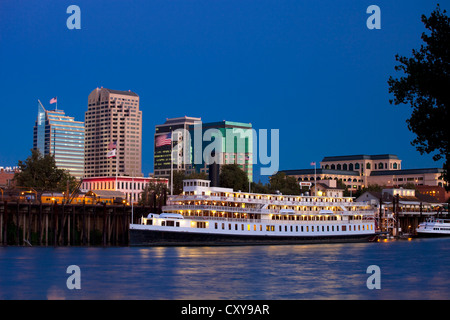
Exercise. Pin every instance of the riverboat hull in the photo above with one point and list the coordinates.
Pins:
(176, 238)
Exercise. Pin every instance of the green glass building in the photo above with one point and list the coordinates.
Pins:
(223, 142)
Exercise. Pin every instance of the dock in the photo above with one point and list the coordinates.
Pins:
(34, 224)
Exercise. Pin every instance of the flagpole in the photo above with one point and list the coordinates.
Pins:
(132, 196)
(171, 163)
(117, 170)
(315, 179)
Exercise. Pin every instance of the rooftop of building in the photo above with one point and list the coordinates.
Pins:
(327, 187)
(226, 124)
(182, 120)
(360, 157)
(111, 91)
(126, 93)
(388, 198)
(122, 178)
(319, 171)
(406, 172)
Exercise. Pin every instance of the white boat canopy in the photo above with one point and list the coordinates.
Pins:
(171, 215)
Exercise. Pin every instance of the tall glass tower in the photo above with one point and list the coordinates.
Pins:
(60, 135)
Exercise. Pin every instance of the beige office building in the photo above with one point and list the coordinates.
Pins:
(359, 171)
(113, 121)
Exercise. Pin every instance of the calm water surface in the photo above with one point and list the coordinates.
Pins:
(417, 269)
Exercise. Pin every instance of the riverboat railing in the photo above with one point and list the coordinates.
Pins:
(300, 201)
(249, 210)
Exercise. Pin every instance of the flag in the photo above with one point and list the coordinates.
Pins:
(54, 100)
(163, 140)
(111, 153)
(313, 163)
(112, 145)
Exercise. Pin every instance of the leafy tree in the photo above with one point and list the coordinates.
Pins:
(259, 187)
(153, 195)
(41, 173)
(197, 175)
(341, 185)
(232, 176)
(178, 177)
(425, 87)
(284, 184)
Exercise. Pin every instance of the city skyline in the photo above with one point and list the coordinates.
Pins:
(314, 71)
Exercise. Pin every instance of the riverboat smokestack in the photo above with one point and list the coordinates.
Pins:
(214, 170)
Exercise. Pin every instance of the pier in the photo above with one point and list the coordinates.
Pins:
(34, 224)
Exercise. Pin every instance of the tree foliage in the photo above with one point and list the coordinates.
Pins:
(284, 184)
(154, 195)
(180, 175)
(232, 176)
(41, 173)
(425, 87)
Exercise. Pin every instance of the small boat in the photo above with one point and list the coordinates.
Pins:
(433, 227)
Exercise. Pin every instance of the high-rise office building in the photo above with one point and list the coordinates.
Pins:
(171, 136)
(223, 142)
(62, 136)
(113, 121)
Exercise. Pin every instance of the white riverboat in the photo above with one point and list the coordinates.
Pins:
(434, 227)
(205, 215)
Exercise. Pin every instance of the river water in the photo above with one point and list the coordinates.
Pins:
(416, 269)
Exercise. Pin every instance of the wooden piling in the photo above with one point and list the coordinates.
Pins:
(41, 224)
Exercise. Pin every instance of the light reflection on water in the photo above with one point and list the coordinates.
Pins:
(409, 270)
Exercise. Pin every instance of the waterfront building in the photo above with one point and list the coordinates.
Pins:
(439, 193)
(359, 171)
(181, 150)
(351, 179)
(63, 137)
(327, 188)
(364, 165)
(411, 206)
(235, 142)
(113, 134)
(130, 187)
(418, 177)
(7, 177)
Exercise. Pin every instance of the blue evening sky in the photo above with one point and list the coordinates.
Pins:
(311, 69)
